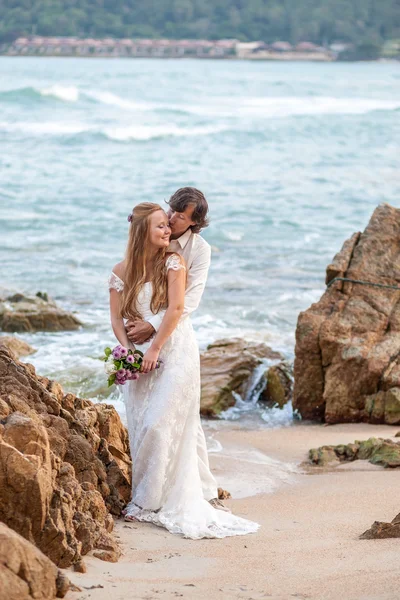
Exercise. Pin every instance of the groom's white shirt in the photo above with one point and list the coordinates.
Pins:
(197, 254)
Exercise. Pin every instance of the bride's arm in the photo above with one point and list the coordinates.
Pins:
(117, 321)
(176, 303)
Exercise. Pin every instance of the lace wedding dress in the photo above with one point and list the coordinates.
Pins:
(171, 480)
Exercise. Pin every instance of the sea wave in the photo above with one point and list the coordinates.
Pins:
(72, 94)
(315, 105)
(113, 100)
(139, 133)
(285, 106)
(25, 94)
(221, 107)
(145, 133)
(50, 128)
(62, 92)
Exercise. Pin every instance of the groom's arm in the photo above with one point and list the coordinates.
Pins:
(196, 282)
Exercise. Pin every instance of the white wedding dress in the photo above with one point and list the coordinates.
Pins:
(171, 480)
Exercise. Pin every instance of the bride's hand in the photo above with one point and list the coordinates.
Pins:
(150, 359)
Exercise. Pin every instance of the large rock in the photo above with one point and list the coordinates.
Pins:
(376, 450)
(27, 314)
(347, 365)
(278, 388)
(17, 347)
(64, 465)
(381, 531)
(227, 368)
(25, 572)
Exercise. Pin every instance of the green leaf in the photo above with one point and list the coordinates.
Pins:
(111, 380)
(107, 351)
(136, 365)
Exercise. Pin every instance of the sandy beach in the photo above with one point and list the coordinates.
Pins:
(307, 546)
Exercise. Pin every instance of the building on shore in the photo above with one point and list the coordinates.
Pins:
(110, 47)
(283, 51)
(149, 48)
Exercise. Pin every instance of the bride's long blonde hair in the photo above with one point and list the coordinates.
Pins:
(137, 254)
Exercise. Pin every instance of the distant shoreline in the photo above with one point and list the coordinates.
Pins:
(296, 59)
(228, 49)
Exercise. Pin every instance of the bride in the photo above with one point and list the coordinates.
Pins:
(163, 405)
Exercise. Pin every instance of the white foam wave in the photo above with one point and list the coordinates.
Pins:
(278, 417)
(45, 128)
(275, 106)
(120, 134)
(287, 106)
(145, 133)
(113, 100)
(65, 93)
(73, 94)
(322, 105)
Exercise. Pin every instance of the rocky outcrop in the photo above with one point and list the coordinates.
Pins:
(347, 365)
(17, 347)
(21, 313)
(381, 531)
(64, 465)
(278, 388)
(227, 368)
(25, 572)
(376, 450)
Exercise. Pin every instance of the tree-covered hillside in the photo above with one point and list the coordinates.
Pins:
(320, 21)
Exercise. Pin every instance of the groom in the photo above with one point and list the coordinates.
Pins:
(188, 215)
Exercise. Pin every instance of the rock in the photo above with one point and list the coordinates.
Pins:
(383, 530)
(16, 346)
(377, 450)
(223, 494)
(80, 567)
(59, 481)
(347, 365)
(107, 555)
(392, 406)
(279, 385)
(323, 456)
(227, 367)
(341, 260)
(386, 454)
(25, 572)
(28, 314)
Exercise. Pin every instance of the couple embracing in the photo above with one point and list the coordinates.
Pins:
(153, 291)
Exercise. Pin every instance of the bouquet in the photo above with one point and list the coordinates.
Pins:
(122, 364)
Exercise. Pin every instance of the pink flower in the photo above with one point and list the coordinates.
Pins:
(123, 351)
(117, 353)
(130, 359)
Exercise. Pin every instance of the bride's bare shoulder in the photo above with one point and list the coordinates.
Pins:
(119, 269)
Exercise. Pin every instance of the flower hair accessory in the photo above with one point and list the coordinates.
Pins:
(130, 217)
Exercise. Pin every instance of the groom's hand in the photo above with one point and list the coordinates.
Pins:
(139, 331)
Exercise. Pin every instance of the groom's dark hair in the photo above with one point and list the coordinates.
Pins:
(189, 196)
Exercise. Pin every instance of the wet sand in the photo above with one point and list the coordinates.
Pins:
(307, 546)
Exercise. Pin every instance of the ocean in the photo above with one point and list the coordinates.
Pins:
(292, 157)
